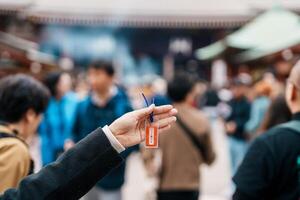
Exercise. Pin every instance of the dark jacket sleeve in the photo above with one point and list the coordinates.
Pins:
(76, 124)
(239, 195)
(73, 174)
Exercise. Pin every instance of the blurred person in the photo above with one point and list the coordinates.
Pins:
(22, 102)
(277, 87)
(105, 103)
(211, 98)
(56, 126)
(259, 107)
(187, 148)
(77, 170)
(223, 108)
(201, 88)
(81, 86)
(159, 87)
(236, 121)
(283, 69)
(225, 96)
(270, 169)
(247, 81)
(209, 102)
(156, 88)
(278, 113)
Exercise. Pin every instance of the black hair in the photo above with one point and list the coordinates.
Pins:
(103, 65)
(277, 113)
(51, 80)
(18, 94)
(181, 85)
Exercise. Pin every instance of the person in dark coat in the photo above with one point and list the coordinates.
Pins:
(76, 171)
(271, 167)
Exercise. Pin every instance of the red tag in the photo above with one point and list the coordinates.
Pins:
(151, 137)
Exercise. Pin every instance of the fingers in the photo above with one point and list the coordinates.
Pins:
(171, 113)
(144, 112)
(162, 109)
(162, 129)
(165, 122)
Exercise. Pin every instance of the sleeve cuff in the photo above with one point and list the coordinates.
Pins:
(113, 140)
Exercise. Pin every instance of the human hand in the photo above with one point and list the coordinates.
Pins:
(129, 129)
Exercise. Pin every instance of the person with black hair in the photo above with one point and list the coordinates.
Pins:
(105, 103)
(22, 102)
(187, 147)
(56, 126)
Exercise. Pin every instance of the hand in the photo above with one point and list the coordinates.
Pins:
(130, 128)
(231, 127)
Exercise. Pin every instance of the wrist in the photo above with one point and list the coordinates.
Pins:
(115, 141)
(113, 129)
(120, 139)
(117, 135)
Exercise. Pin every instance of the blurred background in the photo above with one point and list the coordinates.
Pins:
(233, 48)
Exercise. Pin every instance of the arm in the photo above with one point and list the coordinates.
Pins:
(255, 173)
(78, 169)
(240, 195)
(206, 141)
(73, 174)
(210, 154)
(76, 124)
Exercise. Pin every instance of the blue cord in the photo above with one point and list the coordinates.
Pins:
(147, 103)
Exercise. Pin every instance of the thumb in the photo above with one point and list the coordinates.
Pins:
(144, 112)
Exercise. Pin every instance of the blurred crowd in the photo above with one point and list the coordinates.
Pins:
(79, 104)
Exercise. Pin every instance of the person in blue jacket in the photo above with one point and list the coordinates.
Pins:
(105, 103)
(58, 120)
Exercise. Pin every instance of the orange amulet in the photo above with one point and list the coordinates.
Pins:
(151, 137)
